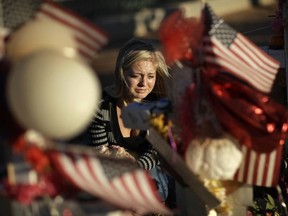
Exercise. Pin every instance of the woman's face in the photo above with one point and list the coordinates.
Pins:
(140, 80)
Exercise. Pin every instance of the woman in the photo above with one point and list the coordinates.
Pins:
(140, 75)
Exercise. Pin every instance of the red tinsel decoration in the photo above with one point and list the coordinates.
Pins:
(32, 154)
(249, 115)
(48, 185)
(48, 178)
(180, 37)
(187, 116)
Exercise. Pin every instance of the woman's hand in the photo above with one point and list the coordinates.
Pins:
(120, 152)
(115, 151)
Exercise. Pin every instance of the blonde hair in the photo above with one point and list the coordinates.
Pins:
(135, 50)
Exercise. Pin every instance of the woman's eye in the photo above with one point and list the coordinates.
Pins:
(134, 76)
(151, 77)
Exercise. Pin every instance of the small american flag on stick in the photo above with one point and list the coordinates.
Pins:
(117, 181)
(234, 53)
(90, 38)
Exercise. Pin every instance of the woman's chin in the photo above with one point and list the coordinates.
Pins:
(140, 96)
(138, 99)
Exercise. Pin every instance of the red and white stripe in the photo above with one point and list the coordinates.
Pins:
(260, 169)
(132, 190)
(90, 39)
(243, 60)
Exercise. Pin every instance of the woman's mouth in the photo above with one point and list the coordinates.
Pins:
(140, 90)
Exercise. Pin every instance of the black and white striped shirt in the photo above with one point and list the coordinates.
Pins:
(105, 130)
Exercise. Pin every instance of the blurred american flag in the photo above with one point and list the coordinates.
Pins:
(117, 181)
(90, 39)
(261, 169)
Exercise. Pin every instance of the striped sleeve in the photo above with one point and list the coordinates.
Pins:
(97, 130)
(148, 159)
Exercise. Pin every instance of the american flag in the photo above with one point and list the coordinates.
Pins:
(261, 169)
(234, 53)
(90, 38)
(116, 181)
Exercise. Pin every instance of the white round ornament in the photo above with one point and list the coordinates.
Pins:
(52, 94)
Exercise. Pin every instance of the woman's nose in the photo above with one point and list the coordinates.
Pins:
(143, 81)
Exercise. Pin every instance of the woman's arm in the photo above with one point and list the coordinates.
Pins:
(148, 159)
(99, 138)
(100, 135)
(97, 130)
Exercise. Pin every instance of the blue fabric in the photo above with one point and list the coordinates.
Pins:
(161, 180)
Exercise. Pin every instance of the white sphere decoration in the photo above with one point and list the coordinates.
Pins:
(39, 34)
(52, 94)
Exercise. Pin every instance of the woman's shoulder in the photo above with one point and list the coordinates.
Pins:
(106, 101)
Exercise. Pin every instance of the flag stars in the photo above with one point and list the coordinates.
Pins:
(225, 34)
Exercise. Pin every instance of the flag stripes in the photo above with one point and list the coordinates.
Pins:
(261, 169)
(258, 55)
(236, 61)
(130, 190)
(90, 39)
(231, 64)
